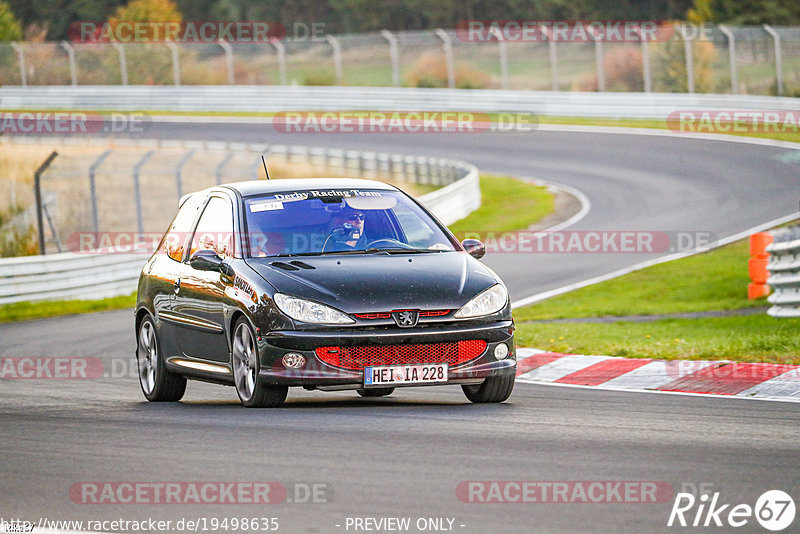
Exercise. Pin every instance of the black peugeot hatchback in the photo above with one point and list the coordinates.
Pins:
(329, 284)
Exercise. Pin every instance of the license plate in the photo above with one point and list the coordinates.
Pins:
(393, 375)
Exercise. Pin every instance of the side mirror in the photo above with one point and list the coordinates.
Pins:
(207, 260)
(474, 248)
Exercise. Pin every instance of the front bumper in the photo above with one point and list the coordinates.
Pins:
(273, 345)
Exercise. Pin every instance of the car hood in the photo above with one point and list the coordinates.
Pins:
(379, 282)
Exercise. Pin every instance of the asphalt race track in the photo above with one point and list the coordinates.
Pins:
(404, 456)
(634, 183)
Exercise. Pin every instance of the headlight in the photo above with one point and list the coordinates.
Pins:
(309, 312)
(490, 301)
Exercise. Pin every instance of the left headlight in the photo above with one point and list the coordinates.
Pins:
(308, 311)
(490, 301)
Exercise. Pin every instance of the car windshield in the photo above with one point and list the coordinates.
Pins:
(350, 221)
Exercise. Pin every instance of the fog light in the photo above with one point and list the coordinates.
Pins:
(292, 360)
(501, 351)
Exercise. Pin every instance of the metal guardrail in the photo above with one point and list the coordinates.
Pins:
(784, 269)
(245, 98)
(93, 276)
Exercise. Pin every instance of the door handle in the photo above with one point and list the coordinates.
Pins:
(177, 286)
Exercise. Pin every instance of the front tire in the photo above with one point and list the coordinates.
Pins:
(252, 391)
(158, 384)
(493, 389)
(375, 392)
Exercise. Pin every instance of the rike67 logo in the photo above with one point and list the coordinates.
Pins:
(774, 510)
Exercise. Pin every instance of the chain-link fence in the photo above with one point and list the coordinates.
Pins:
(106, 195)
(745, 60)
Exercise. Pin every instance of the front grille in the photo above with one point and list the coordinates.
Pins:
(359, 356)
(388, 315)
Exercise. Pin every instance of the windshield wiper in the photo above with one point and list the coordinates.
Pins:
(400, 250)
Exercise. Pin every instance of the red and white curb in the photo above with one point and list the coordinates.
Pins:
(763, 381)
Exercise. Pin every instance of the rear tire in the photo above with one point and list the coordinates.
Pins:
(375, 392)
(493, 389)
(252, 390)
(158, 383)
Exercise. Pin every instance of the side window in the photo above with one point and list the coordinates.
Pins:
(178, 233)
(215, 229)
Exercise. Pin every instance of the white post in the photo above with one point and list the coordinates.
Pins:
(281, 50)
(648, 82)
(395, 55)
(337, 57)
(123, 63)
(226, 46)
(448, 57)
(551, 46)
(501, 44)
(778, 60)
(21, 55)
(598, 59)
(73, 74)
(687, 48)
(732, 56)
(176, 64)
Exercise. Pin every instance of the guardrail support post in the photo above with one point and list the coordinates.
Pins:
(137, 189)
(395, 55)
(176, 63)
(598, 60)
(448, 57)
(553, 55)
(37, 191)
(281, 50)
(226, 46)
(732, 57)
(73, 70)
(687, 49)
(123, 63)
(501, 45)
(337, 57)
(22, 70)
(93, 190)
(778, 59)
(179, 170)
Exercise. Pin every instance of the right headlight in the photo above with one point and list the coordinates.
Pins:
(486, 303)
(309, 311)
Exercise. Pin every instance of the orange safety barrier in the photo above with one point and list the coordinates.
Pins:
(757, 265)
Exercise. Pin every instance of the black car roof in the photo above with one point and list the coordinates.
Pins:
(260, 187)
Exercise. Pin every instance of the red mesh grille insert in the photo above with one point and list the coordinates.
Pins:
(360, 356)
(388, 315)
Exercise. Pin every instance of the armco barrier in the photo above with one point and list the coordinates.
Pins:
(246, 98)
(93, 276)
(784, 268)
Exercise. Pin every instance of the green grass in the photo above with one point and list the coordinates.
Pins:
(536, 201)
(659, 125)
(37, 310)
(755, 338)
(714, 280)
(530, 204)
